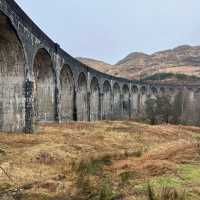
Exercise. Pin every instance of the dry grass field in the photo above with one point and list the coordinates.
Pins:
(101, 161)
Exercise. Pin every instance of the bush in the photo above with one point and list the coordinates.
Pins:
(166, 193)
(151, 109)
(158, 109)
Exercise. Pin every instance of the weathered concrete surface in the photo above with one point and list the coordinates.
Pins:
(82, 99)
(94, 100)
(134, 101)
(125, 102)
(41, 82)
(67, 94)
(107, 101)
(44, 87)
(117, 111)
(12, 77)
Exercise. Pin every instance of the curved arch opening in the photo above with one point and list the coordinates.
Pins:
(143, 98)
(94, 100)
(154, 91)
(67, 94)
(12, 78)
(107, 101)
(143, 90)
(171, 90)
(134, 101)
(125, 102)
(44, 87)
(134, 89)
(82, 98)
(116, 102)
(162, 90)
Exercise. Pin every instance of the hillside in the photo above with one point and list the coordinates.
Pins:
(97, 64)
(180, 60)
(101, 161)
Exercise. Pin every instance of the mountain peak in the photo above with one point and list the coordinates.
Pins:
(132, 56)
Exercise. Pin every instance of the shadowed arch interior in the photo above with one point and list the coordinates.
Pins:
(125, 102)
(134, 89)
(162, 90)
(171, 90)
(154, 91)
(82, 98)
(44, 87)
(143, 90)
(94, 100)
(67, 94)
(134, 101)
(116, 102)
(143, 98)
(12, 77)
(107, 101)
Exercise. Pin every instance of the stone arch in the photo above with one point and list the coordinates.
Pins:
(44, 87)
(197, 91)
(190, 108)
(194, 103)
(94, 100)
(125, 102)
(134, 89)
(67, 94)
(143, 90)
(116, 101)
(12, 78)
(82, 98)
(162, 91)
(171, 90)
(154, 92)
(134, 101)
(143, 98)
(107, 101)
(172, 94)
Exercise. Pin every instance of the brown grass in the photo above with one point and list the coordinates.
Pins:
(49, 159)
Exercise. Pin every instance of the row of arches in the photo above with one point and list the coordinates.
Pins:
(80, 105)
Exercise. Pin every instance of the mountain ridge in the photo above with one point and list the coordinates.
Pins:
(184, 59)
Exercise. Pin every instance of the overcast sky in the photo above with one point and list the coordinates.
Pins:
(110, 29)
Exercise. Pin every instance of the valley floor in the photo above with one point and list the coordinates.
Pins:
(101, 161)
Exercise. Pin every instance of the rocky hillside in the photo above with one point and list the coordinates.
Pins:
(180, 60)
(98, 65)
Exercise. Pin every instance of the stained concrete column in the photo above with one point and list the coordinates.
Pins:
(121, 107)
(101, 106)
(57, 67)
(129, 105)
(112, 102)
(29, 114)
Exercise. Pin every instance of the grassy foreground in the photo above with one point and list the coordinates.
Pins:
(101, 161)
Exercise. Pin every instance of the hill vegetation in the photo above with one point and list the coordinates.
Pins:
(101, 161)
(171, 78)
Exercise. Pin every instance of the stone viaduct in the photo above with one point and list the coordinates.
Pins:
(40, 82)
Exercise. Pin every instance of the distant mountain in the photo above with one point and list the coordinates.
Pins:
(97, 64)
(183, 60)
